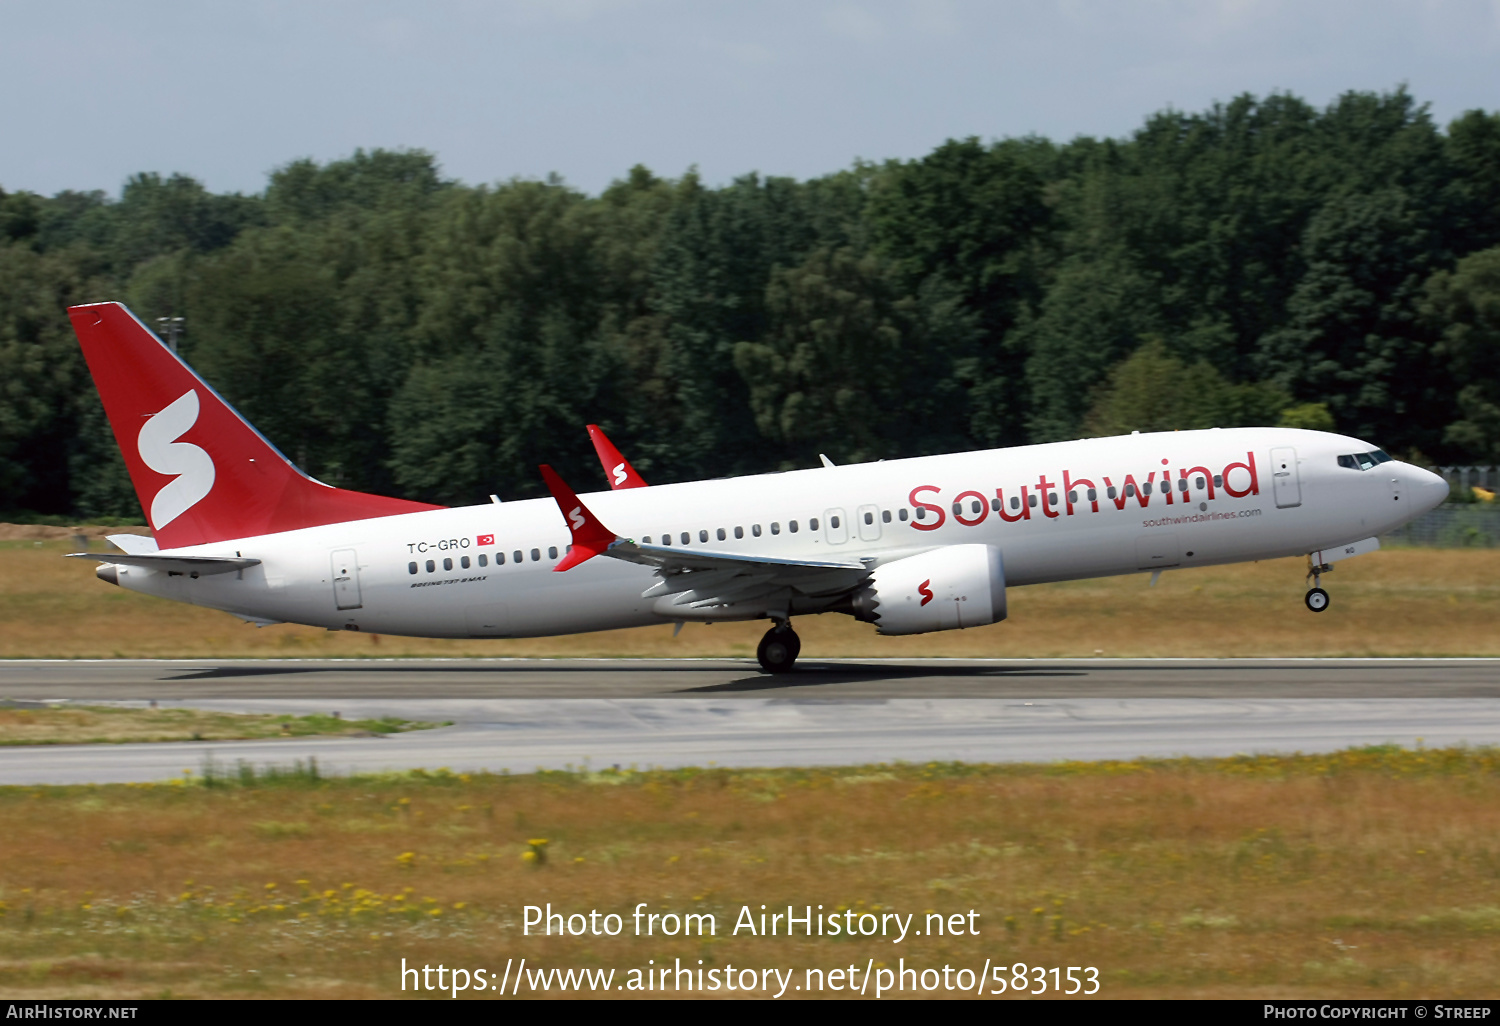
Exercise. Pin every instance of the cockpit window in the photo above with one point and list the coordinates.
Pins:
(1364, 460)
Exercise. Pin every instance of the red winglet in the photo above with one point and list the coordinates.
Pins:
(616, 467)
(590, 537)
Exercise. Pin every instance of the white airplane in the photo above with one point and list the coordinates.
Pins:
(912, 545)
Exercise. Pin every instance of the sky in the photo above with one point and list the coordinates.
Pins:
(96, 90)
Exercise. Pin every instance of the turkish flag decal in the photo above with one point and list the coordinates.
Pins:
(485, 539)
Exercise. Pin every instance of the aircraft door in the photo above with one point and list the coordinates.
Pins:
(868, 522)
(1285, 483)
(835, 526)
(346, 579)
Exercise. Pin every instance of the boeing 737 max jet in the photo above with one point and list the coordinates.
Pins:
(912, 545)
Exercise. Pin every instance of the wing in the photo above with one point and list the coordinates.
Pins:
(704, 579)
(699, 579)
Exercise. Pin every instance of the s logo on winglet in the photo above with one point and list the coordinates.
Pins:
(189, 465)
(577, 518)
(925, 590)
(620, 475)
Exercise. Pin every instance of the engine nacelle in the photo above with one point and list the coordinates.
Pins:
(946, 589)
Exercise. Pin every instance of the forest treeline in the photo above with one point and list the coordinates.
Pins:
(1261, 262)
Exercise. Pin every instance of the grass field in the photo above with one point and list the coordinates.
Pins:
(1391, 603)
(87, 724)
(1366, 874)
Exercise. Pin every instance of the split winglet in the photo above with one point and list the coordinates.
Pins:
(590, 537)
(616, 467)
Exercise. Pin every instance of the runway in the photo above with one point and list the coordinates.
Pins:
(520, 715)
(328, 679)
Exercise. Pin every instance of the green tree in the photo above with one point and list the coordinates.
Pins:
(1464, 304)
(1155, 391)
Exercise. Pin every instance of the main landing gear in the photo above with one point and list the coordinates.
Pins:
(779, 648)
(1317, 598)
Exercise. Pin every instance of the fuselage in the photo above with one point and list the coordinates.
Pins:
(1058, 511)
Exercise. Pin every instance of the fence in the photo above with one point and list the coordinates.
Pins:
(1469, 477)
(1456, 525)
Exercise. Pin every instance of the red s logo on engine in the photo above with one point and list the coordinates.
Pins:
(925, 591)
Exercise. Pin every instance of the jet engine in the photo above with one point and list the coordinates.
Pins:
(942, 590)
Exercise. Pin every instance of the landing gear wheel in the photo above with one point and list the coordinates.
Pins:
(779, 649)
(1317, 600)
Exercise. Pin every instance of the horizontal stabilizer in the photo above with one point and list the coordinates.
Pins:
(193, 566)
(133, 543)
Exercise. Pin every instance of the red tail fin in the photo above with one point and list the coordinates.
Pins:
(619, 471)
(201, 472)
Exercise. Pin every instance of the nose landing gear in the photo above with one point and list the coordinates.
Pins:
(779, 649)
(1317, 599)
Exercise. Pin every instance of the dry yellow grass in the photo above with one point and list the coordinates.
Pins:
(1366, 874)
(1390, 603)
(86, 724)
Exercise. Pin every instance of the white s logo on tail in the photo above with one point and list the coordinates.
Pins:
(577, 518)
(192, 468)
(619, 473)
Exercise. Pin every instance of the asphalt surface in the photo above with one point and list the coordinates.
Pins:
(520, 715)
(118, 680)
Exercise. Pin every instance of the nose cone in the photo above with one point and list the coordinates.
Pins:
(1428, 490)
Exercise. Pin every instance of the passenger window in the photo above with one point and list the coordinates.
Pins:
(703, 536)
(516, 555)
(901, 513)
(833, 522)
(1073, 496)
(975, 506)
(1015, 502)
(1093, 495)
(1052, 499)
(463, 561)
(1110, 491)
(431, 566)
(885, 516)
(646, 540)
(921, 512)
(686, 538)
(536, 555)
(411, 568)
(552, 552)
(666, 539)
(1218, 480)
(755, 530)
(775, 528)
(1182, 484)
(484, 560)
(739, 532)
(448, 563)
(1130, 491)
(995, 504)
(1198, 481)
(1031, 501)
(812, 525)
(791, 525)
(721, 534)
(958, 508)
